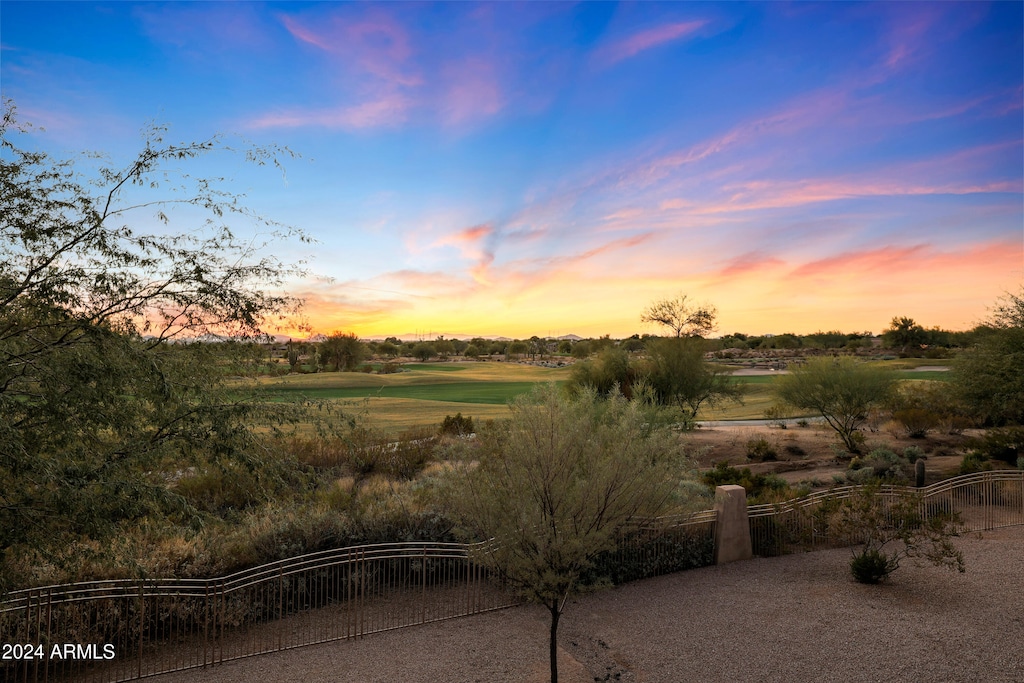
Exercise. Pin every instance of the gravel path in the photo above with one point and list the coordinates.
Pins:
(793, 618)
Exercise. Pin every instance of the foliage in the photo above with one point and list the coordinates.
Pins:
(890, 528)
(903, 333)
(1005, 444)
(922, 406)
(423, 352)
(871, 566)
(558, 484)
(612, 370)
(682, 317)
(841, 390)
(988, 376)
(679, 376)
(761, 450)
(457, 425)
(97, 407)
(879, 464)
(757, 486)
(344, 351)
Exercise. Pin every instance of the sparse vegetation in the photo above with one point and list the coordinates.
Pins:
(889, 529)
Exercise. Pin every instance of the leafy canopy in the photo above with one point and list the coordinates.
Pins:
(98, 411)
(557, 484)
(841, 390)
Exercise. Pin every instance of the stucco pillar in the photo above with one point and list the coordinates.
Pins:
(732, 528)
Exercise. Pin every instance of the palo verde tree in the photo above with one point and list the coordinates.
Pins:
(557, 484)
(683, 317)
(841, 390)
(97, 407)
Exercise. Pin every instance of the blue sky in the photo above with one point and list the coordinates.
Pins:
(548, 168)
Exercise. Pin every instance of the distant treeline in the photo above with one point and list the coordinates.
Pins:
(345, 352)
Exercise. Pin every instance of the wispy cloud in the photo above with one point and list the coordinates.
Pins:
(634, 44)
(388, 110)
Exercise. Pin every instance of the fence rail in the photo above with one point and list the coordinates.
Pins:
(107, 631)
(983, 501)
(128, 629)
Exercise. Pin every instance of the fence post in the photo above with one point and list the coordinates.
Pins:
(732, 528)
(142, 622)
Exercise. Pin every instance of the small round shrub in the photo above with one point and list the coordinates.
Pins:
(913, 454)
(871, 566)
(761, 450)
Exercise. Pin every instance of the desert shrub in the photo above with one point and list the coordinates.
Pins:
(403, 458)
(880, 463)
(913, 454)
(917, 422)
(777, 416)
(761, 450)
(218, 490)
(757, 485)
(870, 566)
(457, 425)
(1005, 444)
(803, 422)
(974, 462)
(888, 529)
(389, 368)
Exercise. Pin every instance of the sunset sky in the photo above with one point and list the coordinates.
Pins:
(548, 168)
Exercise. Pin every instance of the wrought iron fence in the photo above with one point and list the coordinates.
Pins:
(983, 501)
(108, 631)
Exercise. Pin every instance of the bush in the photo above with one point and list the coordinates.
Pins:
(761, 450)
(974, 462)
(917, 422)
(1006, 444)
(794, 449)
(457, 425)
(871, 566)
(757, 485)
(913, 454)
(874, 521)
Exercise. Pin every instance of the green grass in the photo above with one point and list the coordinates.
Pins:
(424, 393)
(482, 392)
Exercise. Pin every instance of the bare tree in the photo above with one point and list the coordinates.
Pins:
(682, 316)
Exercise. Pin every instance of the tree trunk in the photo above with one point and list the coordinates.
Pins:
(555, 614)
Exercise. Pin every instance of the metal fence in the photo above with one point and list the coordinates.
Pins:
(109, 631)
(983, 501)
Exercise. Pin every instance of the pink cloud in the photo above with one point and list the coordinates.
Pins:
(472, 91)
(389, 110)
(746, 264)
(883, 259)
(645, 40)
(376, 45)
(468, 243)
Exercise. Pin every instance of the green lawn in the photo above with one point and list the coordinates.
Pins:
(484, 392)
(424, 393)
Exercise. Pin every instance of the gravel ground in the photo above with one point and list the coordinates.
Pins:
(793, 618)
